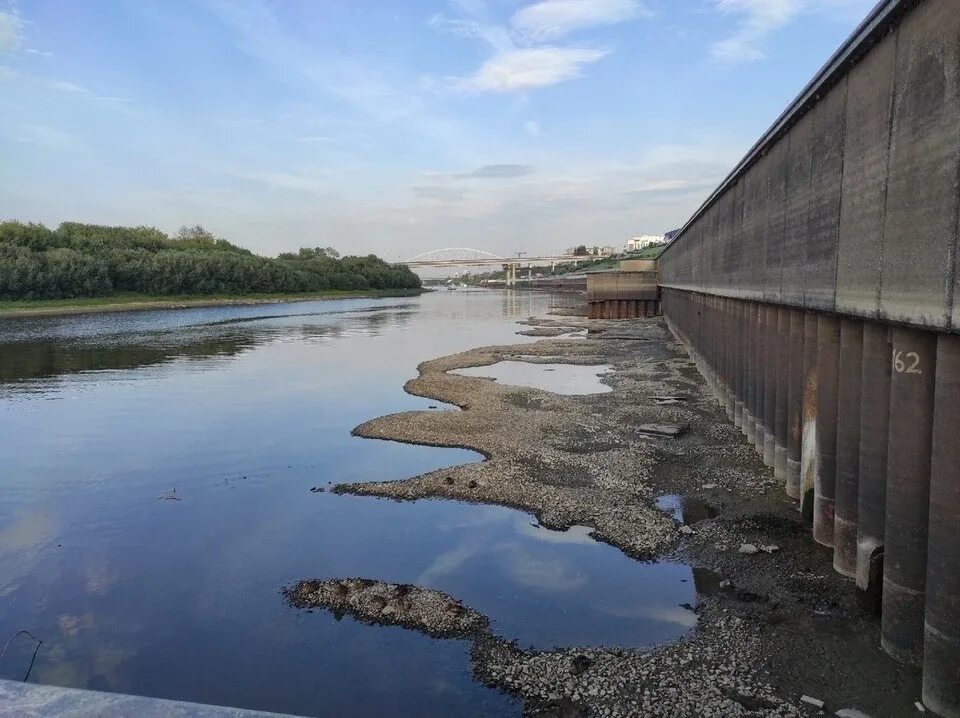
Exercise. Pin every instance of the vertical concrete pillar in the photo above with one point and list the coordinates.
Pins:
(941, 644)
(739, 312)
(760, 357)
(848, 448)
(794, 403)
(729, 348)
(782, 344)
(771, 356)
(808, 447)
(750, 388)
(828, 365)
(912, 381)
(872, 491)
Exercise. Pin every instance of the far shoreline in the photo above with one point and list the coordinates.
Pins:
(22, 309)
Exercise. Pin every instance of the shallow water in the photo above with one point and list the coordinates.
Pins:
(155, 497)
(557, 378)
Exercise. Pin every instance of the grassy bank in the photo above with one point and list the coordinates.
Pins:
(135, 302)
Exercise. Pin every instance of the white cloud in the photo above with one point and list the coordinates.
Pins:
(529, 68)
(523, 57)
(11, 30)
(550, 19)
(532, 128)
(35, 51)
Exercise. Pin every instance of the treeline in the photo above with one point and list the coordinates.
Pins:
(85, 260)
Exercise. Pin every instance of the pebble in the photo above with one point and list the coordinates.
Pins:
(686, 530)
(920, 707)
(770, 549)
(815, 702)
(748, 548)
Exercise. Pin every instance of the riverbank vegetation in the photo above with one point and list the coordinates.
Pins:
(84, 260)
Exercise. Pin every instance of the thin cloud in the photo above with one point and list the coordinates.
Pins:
(529, 68)
(439, 194)
(551, 19)
(35, 51)
(760, 18)
(496, 172)
(532, 128)
(46, 137)
(69, 87)
(11, 30)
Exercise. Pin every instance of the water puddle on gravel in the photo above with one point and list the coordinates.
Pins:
(571, 379)
(685, 509)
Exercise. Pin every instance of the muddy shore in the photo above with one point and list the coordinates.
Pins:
(774, 625)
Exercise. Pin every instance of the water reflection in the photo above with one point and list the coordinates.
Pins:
(241, 412)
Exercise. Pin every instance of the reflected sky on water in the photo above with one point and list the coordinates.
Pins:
(155, 497)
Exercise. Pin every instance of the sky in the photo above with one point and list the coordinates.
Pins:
(394, 127)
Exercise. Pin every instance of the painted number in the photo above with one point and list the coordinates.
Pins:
(906, 363)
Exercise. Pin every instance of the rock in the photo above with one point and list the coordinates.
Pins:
(686, 530)
(919, 706)
(472, 484)
(726, 583)
(851, 713)
(708, 486)
(317, 490)
(809, 700)
(748, 548)
(448, 480)
(579, 664)
(770, 549)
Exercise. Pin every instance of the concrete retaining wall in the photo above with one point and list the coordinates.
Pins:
(817, 288)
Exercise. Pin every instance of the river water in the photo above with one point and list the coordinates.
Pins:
(155, 476)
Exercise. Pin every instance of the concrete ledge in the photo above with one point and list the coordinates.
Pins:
(25, 700)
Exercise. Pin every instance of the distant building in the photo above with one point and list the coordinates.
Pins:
(635, 244)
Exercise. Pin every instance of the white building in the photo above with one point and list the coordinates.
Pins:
(635, 244)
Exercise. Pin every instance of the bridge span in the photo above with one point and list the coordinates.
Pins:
(817, 289)
(466, 257)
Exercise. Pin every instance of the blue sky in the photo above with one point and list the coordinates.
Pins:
(394, 127)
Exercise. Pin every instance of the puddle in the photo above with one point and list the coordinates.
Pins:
(686, 509)
(570, 379)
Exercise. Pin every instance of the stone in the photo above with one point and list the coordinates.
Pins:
(748, 548)
(810, 700)
(671, 431)
(770, 549)
(686, 530)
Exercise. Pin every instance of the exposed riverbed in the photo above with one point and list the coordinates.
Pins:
(195, 505)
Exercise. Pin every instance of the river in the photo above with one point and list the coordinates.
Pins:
(155, 497)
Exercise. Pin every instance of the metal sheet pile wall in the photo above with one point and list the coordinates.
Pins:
(817, 290)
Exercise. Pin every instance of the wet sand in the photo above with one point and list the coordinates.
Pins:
(772, 626)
